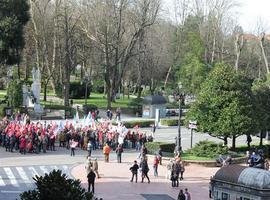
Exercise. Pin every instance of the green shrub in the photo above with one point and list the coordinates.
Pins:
(136, 105)
(171, 122)
(56, 185)
(76, 90)
(2, 110)
(142, 123)
(98, 86)
(153, 147)
(209, 149)
(14, 93)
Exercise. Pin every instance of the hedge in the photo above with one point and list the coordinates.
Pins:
(153, 147)
(76, 90)
(141, 123)
(209, 149)
(171, 122)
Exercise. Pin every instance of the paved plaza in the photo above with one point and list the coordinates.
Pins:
(16, 171)
(115, 184)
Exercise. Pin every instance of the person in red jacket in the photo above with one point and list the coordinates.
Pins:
(155, 166)
(22, 145)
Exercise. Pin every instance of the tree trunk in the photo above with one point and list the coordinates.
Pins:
(213, 48)
(167, 77)
(19, 73)
(233, 142)
(45, 92)
(35, 35)
(238, 44)
(225, 140)
(264, 55)
(261, 138)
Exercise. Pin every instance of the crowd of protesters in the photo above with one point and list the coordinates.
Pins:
(20, 134)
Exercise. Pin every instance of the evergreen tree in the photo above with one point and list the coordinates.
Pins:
(224, 107)
(13, 16)
(261, 93)
(56, 185)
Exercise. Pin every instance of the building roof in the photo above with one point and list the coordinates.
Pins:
(246, 176)
(255, 178)
(154, 99)
(230, 173)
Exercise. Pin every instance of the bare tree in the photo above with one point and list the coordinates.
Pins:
(115, 29)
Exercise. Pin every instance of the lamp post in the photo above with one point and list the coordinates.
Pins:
(179, 97)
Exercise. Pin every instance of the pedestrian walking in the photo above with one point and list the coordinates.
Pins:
(89, 148)
(182, 169)
(119, 151)
(106, 152)
(91, 181)
(181, 195)
(118, 114)
(155, 166)
(73, 147)
(145, 169)
(134, 171)
(95, 167)
(187, 194)
(88, 165)
(22, 145)
(169, 170)
(175, 174)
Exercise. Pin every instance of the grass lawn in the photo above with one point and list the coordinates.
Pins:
(188, 156)
(101, 102)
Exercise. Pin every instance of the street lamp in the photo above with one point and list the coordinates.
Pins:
(179, 98)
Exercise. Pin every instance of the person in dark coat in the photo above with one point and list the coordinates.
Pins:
(91, 180)
(181, 195)
(134, 170)
(119, 151)
(175, 174)
(145, 169)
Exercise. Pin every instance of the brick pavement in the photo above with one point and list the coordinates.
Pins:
(115, 184)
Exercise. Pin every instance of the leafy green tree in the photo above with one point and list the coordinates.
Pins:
(261, 93)
(56, 185)
(192, 72)
(14, 93)
(13, 16)
(224, 106)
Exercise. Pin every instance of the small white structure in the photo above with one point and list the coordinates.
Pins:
(151, 104)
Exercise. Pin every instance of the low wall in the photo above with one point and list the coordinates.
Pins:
(206, 163)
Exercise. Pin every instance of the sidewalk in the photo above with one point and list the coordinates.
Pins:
(115, 184)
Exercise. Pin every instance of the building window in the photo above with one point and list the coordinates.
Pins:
(225, 196)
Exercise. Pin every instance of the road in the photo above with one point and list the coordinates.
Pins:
(168, 134)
